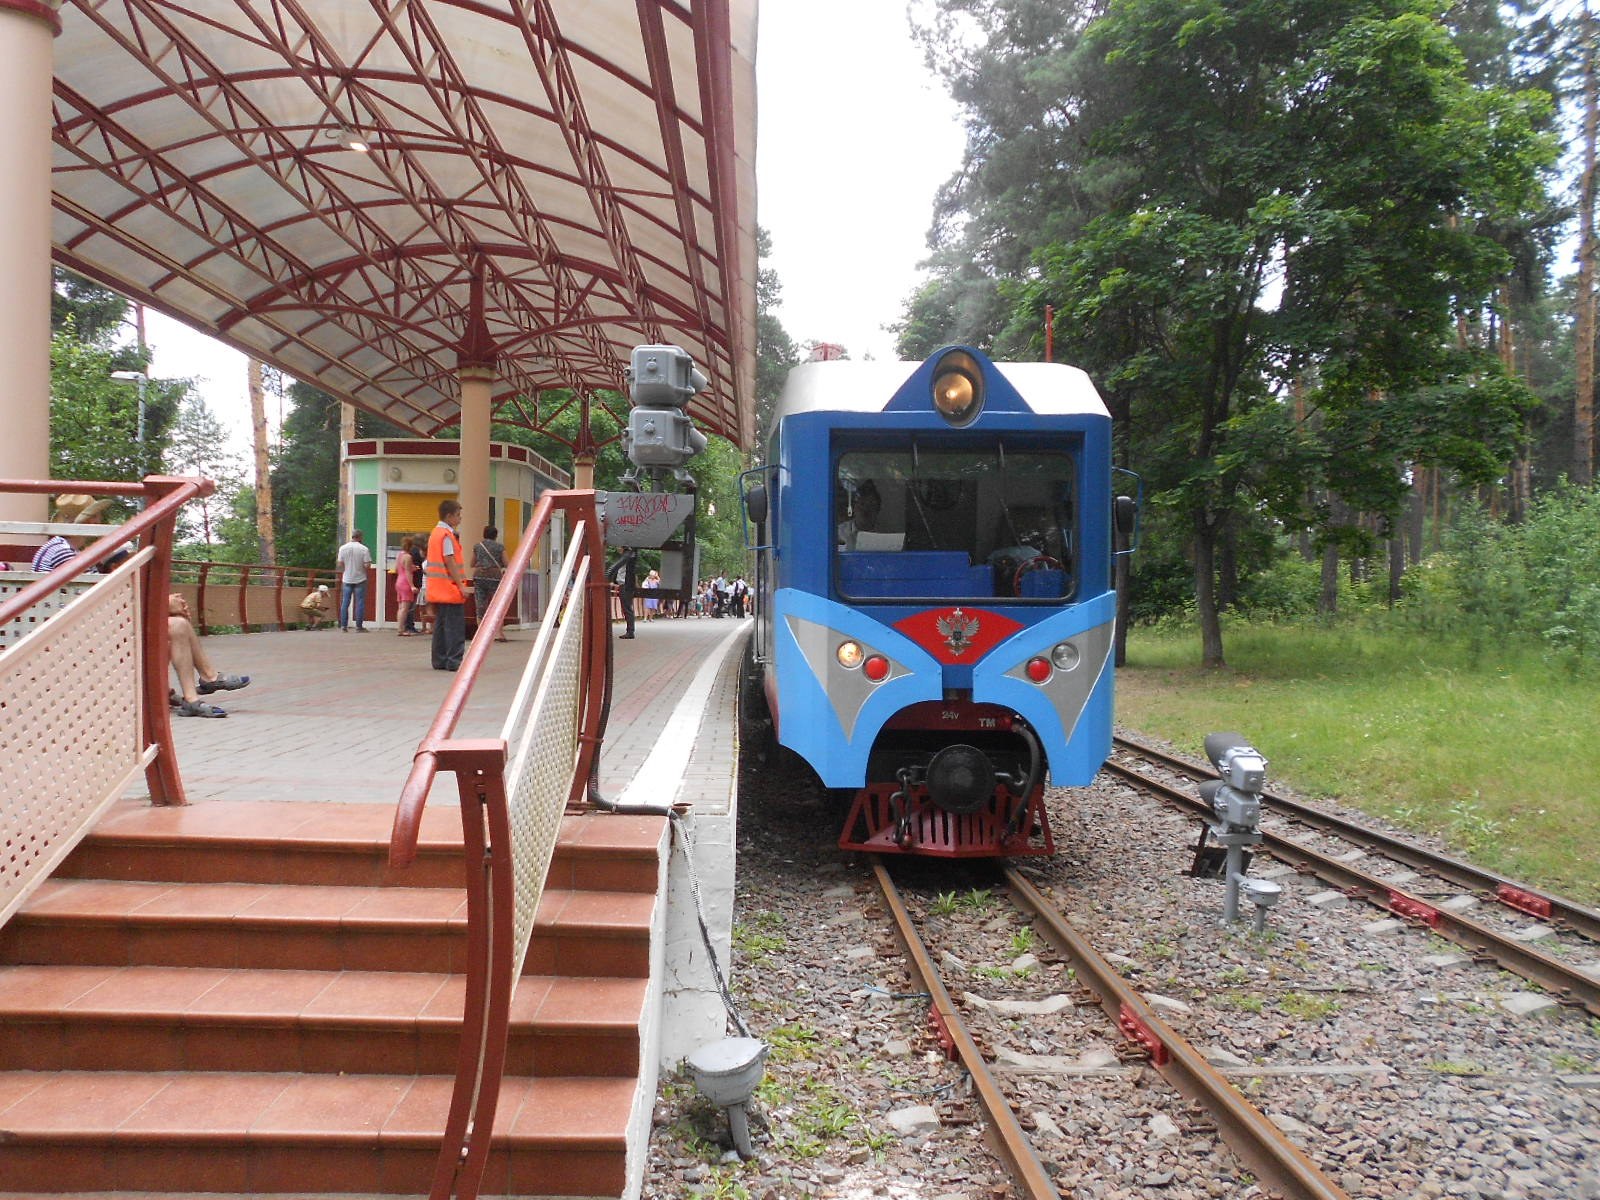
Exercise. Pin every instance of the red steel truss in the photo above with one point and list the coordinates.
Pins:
(540, 184)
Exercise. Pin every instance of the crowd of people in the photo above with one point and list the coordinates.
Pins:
(718, 596)
(431, 584)
(432, 575)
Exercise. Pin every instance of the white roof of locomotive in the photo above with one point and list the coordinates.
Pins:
(840, 385)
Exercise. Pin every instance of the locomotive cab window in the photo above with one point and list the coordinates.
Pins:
(970, 522)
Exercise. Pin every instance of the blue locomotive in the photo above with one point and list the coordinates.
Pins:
(934, 550)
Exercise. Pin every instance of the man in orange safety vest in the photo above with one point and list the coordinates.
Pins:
(444, 576)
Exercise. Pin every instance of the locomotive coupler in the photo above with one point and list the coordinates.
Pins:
(897, 805)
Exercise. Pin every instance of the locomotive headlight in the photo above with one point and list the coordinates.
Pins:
(1064, 655)
(849, 655)
(958, 387)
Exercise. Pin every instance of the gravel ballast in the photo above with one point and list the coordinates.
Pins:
(1402, 1068)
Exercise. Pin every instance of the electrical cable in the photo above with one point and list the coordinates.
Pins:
(680, 837)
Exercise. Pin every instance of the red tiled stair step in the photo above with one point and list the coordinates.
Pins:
(215, 1019)
(263, 842)
(269, 1133)
(311, 927)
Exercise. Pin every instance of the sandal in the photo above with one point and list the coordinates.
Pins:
(199, 708)
(222, 683)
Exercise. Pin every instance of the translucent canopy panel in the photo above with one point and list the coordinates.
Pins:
(369, 194)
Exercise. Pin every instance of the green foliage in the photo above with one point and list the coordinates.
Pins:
(94, 419)
(90, 313)
(754, 944)
(1474, 745)
(1446, 1066)
(1305, 1007)
(1229, 207)
(305, 479)
(1538, 582)
(792, 1041)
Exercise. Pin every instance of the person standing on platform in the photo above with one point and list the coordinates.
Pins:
(405, 588)
(626, 571)
(60, 550)
(652, 584)
(354, 559)
(445, 581)
(488, 569)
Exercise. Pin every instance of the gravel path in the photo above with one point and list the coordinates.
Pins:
(1399, 1067)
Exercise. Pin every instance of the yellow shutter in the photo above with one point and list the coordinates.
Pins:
(511, 527)
(414, 512)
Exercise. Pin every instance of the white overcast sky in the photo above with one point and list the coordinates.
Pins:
(853, 141)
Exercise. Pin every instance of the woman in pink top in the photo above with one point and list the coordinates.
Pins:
(405, 587)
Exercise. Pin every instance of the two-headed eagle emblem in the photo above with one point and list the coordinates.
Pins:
(957, 630)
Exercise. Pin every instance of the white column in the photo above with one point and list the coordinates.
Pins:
(477, 386)
(27, 67)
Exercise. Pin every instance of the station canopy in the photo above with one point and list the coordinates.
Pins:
(370, 195)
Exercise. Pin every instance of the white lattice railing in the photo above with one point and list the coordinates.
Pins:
(12, 584)
(71, 722)
(542, 736)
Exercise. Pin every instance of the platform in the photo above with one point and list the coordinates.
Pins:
(305, 771)
(337, 716)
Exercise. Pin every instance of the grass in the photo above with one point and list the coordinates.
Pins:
(1492, 751)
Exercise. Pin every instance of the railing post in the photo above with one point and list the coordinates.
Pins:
(200, 598)
(161, 776)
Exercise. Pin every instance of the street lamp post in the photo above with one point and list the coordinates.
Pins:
(141, 380)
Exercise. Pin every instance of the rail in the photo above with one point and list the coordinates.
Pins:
(513, 791)
(1010, 1140)
(1567, 983)
(1276, 1161)
(1490, 884)
(85, 691)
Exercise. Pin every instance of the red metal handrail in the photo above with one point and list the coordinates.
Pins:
(578, 506)
(480, 767)
(252, 576)
(163, 497)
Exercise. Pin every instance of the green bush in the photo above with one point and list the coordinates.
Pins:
(1538, 582)
(1288, 588)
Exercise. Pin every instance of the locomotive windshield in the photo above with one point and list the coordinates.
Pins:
(955, 523)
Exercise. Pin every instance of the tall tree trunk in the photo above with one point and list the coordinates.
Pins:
(1583, 448)
(258, 424)
(1328, 600)
(1436, 498)
(1397, 562)
(347, 433)
(1415, 518)
(1228, 566)
(1205, 592)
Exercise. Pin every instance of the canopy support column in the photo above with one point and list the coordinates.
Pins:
(27, 29)
(477, 386)
(583, 453)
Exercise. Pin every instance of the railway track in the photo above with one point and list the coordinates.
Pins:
(1565, 982)
(1254, 1139)
(1519, 896)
